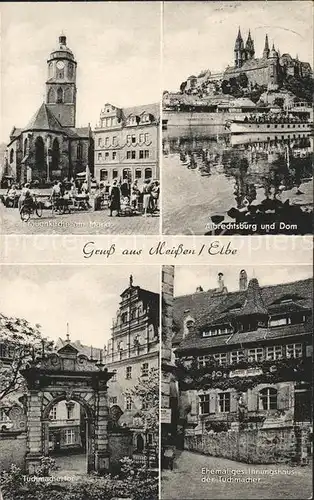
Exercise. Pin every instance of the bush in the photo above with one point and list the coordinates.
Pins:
(135, 483)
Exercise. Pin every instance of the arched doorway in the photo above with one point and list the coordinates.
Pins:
(39, 171)
(139, 443)
(68, 433)
(55, 158)
(67, 375)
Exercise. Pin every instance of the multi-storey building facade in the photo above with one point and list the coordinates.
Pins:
(132, 353)
(126, 144)
(50, 146)
(245, 355)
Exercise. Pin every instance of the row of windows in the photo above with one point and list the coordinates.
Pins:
(129, 403)
(255, 354)
(148, 174)
(130, 155)
(130, 139)
(69, 409)
(272, 323)
(144, 371)
(267, 400)
(132, 121)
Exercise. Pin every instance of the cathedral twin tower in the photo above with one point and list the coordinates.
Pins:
(245, 52)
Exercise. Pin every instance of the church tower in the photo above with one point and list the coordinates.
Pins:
(266, 48)
(273, 69)
(61, 84)
(249, 47)
(239, 51)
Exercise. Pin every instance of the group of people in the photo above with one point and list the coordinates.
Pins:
(129, 198)
(67, 192)
(274, 118)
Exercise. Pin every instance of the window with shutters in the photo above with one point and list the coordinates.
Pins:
(224, 402)
(268, 399)
(203, 404)
(294, 350)
(274, 352)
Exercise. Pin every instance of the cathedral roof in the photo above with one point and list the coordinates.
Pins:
(44, 119)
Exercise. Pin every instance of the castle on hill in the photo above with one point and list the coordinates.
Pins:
(271, 69)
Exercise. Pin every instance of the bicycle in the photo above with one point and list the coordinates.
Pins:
(28, 209)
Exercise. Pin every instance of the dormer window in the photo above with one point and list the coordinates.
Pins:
(131, 120)
(189, 322)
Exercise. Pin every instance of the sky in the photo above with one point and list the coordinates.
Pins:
(187, 278)
(85, 297)
(201, 35)
(117, 46)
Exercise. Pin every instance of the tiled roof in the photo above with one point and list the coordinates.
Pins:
(211, 308)
(44, 119)
(82, 349)
(145, 108)
(194, 341)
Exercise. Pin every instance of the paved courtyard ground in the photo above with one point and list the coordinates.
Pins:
(188, 480)
(83, 222)
(71, 465)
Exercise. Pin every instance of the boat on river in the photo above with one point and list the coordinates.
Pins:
(280, 128)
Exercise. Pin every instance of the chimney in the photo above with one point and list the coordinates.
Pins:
(242, 280)
(199, 289)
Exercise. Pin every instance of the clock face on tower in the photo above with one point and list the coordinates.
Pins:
(60, 64)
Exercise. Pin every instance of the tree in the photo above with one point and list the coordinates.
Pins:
(21, 342)
(183, 87)
(243, 80)
(147, 391)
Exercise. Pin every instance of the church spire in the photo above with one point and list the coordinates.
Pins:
(249, 46)
(266, 48)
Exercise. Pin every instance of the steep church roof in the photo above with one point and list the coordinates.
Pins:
(44, 119)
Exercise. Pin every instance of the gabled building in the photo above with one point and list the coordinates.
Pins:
(51, 146)
(244, 357)
(127, 143)
(132, 352)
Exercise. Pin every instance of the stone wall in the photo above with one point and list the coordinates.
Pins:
(120, 445)
(12, 449)
(262, 446)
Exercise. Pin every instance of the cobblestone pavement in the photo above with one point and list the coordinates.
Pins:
(185, 481)
(70, 465)
(77, 223)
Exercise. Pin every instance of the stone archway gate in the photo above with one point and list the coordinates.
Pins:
(70, 376)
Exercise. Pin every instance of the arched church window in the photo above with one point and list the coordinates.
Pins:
(25, 146)
(11, 155)
(51, 95)
(50, 70)
(59, 95)
(79, 151)
(70, 70)
(68, 95)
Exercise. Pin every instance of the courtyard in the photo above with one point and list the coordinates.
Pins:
(202, 477)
